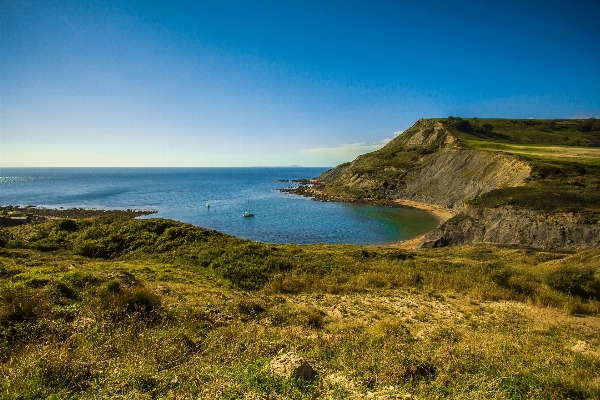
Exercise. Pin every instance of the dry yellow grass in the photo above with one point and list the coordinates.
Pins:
(583, 155)
(481, 322)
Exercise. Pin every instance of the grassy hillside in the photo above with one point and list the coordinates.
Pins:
(116, 307)
(376, 174)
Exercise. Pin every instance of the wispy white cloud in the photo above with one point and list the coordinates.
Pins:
(347, 151)
(346, 148)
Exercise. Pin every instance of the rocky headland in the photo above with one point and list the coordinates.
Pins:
(495, 197)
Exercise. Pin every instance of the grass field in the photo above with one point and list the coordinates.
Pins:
(581, 155)
(569, 132)
(121, 308)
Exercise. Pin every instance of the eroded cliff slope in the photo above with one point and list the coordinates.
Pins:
(509, 225)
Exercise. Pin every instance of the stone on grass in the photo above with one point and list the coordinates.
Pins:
(291, 365)
(581, 347)
(420, 371)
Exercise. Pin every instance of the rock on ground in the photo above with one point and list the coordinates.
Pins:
(290, 365)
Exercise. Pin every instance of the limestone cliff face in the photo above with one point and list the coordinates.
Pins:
(520, 227)
(451, 177)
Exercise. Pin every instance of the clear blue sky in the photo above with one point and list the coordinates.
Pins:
(243, 83)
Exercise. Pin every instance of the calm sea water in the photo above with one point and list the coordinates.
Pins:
(182, 194)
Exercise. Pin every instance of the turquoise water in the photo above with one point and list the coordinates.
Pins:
(182, 194)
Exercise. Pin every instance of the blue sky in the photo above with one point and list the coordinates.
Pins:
(244, 83)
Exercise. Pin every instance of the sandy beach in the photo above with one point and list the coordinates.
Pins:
(441, 213)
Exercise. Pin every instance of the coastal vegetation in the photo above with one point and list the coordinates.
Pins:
(153, 308)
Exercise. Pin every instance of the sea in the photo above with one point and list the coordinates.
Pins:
(183, 193)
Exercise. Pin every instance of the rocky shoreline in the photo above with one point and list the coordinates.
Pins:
(16, 215)
(307, 190)
(305, 187)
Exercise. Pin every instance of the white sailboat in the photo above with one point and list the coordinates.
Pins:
(247, 213)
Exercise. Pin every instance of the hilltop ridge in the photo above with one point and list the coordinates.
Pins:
(426, 163)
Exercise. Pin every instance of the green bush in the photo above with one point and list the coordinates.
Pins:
(251, 265)
(5, 237)
(581, 281)
(67, 225)
(141, 301)
(137, 302)
(80, 279)
(22, 305)
(514, 280)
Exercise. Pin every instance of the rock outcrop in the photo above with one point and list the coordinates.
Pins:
(520, 227)
(291, 365)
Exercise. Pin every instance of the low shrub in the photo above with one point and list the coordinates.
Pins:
(136, 302)
(81, 279)
(580, 281)
(311, 317)
(22, 305)
(68, 225)
(511, 279)
(250, 308)
(5, 237)
(289, 284)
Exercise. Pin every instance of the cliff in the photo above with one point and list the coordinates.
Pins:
(516, 226)
(426, 163)
(449, 178)
(432, 162)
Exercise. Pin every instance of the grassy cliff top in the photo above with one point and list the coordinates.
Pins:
(116, 307)
(569, 132)
(575, 141)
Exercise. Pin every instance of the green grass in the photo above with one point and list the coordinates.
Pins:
(153, 308)
(582, 155)
(578, 133)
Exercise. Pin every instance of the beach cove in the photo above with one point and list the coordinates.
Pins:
(182, 194)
